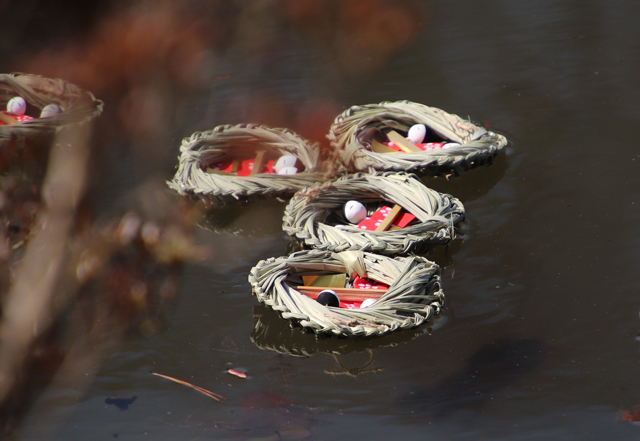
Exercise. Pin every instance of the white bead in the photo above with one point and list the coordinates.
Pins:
(285, 161)
(288, 171)
(451, 145)
(17, 106)
(417, 133)
(367, 302)
(50, 111)
(355, 212)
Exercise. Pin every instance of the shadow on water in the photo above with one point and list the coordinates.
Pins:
(472, 184)
(493, 367)
(256, 219)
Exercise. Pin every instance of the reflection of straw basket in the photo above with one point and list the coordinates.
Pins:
(354, 131)
(76, 105)
(413, 295)
(314, 217)
(204, 155)
(272, 333)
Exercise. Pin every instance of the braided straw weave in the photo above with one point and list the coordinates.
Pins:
(414, 295)
(76, 105)
(353, 130)
(314, 216)
(230, 142)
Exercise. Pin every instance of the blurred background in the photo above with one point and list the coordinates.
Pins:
(538, 339)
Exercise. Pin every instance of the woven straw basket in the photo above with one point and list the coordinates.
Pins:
(314, 216)
(227, 142)
(76, 105)
(414, 295)
(353, 131)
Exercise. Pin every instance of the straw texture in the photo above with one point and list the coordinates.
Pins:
(314, 216)
(230, 142)
(353, 130)
(414, 295)
(76, 105)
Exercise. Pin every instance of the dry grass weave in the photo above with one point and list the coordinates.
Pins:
(76, 105)
(414, 295)
(314, 216)
(242, 141)
(353, 130)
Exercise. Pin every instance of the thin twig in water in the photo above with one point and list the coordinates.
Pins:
(202, 390)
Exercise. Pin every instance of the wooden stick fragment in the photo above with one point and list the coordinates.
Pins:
(259, 162)
(386, 223)
(335, 280)
(402, 142)
(202, 390)
(348, 294)
(7, 119)
(381, 148)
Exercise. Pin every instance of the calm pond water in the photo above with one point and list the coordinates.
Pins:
(546, 273)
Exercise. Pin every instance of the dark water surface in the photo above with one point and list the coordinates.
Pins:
(550, 250)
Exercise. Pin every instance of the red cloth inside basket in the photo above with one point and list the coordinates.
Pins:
(372, 222)
(244, 167)
(422, 146)
(18, 118)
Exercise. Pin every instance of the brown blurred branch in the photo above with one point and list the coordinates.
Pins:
(33, 302)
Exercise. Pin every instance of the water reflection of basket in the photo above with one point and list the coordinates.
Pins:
(203, 150)
(76, 105)
(314, 217)
(353, 132)
(413, 297)
(272, 333)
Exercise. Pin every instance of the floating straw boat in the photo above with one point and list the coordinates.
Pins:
(359, 132)
(250, 146)
(315, 216)
(75, 105)
(413, 296)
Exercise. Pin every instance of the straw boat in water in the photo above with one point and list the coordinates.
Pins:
(65, 104)
(315, 216)
(233, 163)
(406, 291)
(368, 138)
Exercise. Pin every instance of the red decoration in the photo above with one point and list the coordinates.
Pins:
(371, 223)
(362, 283)
(403, 220)
(632, 415)
(350, 305)
(19, 118)
(244, 167)
(422, 146)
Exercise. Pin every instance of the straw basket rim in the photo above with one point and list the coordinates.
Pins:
(438, 214)
(208, 146)
(77, 106)
(414, 295)
(352, 130)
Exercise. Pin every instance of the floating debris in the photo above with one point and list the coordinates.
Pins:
(237, 373)
(202, 390)
(121, 403)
